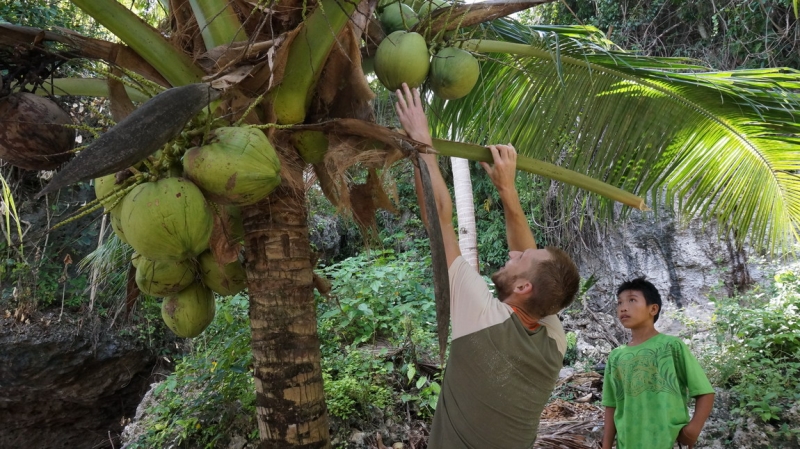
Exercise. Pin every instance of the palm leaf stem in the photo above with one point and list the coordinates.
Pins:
(85, 87)
(307, 55)
(170, 62)
(218, 22)
(542, 168)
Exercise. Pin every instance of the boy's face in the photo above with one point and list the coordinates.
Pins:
(633, 311)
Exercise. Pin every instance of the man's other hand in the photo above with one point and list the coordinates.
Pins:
(504, 168)
(411, 115)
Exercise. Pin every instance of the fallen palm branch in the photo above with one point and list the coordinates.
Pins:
(569, 435)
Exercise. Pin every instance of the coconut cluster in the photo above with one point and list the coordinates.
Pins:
(404, 56)
(169, 222)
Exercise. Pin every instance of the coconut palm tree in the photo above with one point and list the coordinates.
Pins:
(597, 118)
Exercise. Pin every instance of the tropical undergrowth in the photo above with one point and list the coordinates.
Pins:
(757, 355)
(210, 396)
(727, 34)
(377, 329)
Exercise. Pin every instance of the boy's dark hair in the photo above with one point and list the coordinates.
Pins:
(649, 291)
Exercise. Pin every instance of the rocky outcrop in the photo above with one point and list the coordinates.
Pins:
(686, 261)
(67, 384)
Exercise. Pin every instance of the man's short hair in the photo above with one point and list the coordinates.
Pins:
(555, 281)
(648, 290)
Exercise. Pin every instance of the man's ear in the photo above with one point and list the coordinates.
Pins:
(523, 286)
(654, 309)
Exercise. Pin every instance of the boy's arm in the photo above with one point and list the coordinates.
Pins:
(702, 409)
(609, 429)
(502, 173)
(412, 117)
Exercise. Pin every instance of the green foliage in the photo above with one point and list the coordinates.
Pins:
(62, 13)
(211, 394)
(356, 384)
(758, 353)
(48, 14)
(727, 35)
(376, 330)
(40, 283)
(374, 292)
(572, 349)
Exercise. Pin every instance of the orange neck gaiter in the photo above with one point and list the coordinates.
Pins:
(528, 321)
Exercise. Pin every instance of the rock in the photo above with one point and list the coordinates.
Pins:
(566, 372)
(237, 442)
(69, 383)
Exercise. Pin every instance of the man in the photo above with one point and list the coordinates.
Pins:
(505, 353)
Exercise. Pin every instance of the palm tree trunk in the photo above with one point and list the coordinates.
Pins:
(286, 350)
(465, 211)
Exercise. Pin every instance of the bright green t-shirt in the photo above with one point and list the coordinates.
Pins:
(649, 385)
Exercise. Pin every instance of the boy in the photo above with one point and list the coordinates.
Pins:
(647, 384)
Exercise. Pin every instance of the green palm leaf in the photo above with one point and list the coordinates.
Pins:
(725, 145)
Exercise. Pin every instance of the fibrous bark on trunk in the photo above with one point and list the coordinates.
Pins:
(286, 350)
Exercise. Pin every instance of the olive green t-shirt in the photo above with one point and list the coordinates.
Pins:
(649, 385)
(499, 374)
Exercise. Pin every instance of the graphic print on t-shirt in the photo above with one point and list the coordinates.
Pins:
(646, 370)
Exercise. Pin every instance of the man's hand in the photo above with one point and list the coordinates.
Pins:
(411, 115)
(688, 435)
(504, 169)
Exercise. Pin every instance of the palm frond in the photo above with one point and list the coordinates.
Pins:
(725, 145)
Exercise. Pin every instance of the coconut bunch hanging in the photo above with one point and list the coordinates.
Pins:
(169, 217)
(166, 205)
(403, 58)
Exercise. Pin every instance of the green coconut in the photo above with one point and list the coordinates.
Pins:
(104, 187)
(190, 311)
(312, 145)
(168, 219)
(397, 16)
(429, 6)
(454, 73)
(162, 278)
(402, 58)
(227, 280)
(239, 166)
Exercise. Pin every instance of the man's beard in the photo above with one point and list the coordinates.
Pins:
(503, 283)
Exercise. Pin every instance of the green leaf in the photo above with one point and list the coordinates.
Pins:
(412, 371)
(421, 381)
(365, 308)
(723, 145)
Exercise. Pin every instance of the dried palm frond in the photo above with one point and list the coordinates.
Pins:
(569, 435)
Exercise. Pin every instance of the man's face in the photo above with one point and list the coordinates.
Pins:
(518, 265)
(633, 310)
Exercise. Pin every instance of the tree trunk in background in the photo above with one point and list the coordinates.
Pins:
(289, 395)
(465, 211)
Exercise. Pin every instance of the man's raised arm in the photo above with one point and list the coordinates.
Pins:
(502, 173)
(414, 121)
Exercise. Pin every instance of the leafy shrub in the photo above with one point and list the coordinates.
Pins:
(375, 330)
(758, 357)
(211, 394)
(572, 349)
(373, 293)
